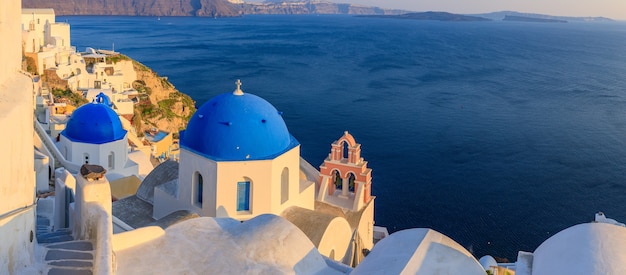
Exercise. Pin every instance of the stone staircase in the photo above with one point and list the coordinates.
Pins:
(64, 255)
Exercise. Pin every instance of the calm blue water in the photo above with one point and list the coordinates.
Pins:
(498, 134)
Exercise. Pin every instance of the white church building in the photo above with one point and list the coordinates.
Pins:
(94, 135)
(238, 160)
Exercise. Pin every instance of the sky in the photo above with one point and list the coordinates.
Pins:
(614, 9)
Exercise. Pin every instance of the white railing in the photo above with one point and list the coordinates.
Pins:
(47, 142)
(311, 173)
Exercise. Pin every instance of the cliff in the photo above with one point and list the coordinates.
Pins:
(212, 8)
(159, 104)
(312, 7)
(500, 15)
(162, 105)
(138, 7)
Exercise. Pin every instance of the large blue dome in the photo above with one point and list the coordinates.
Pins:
(237, 126)
(94, 123)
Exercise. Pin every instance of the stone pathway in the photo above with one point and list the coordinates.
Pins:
(64, 255)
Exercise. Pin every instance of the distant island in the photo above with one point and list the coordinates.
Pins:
(501, 15)
(433, 15)
(531, 19)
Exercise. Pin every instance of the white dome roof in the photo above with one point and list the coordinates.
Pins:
(266, 244)
(589, 248)
(487, 262)
(419, 251)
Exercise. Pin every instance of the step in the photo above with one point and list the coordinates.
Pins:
(43, 220)
(54, 239)
(69, 271)
(42, 231)
(56, 233)
(71, 263)
(72, 245)
(55, 254)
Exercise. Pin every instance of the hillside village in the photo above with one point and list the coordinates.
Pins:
(103, 188)
(68, 78)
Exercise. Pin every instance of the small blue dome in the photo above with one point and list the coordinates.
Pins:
(237, 126)
(94, 123)
(103, 99)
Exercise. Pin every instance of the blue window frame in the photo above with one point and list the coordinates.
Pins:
(243, 196)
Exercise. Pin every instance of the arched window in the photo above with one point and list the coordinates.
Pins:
(86, 158)
(198, 189)
(284, 185)
(345, 150)
(351, 178)
(111, 161)
(243, 195)
(338, 180)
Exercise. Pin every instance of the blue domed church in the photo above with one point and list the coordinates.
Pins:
(94, 135)
(237, 160)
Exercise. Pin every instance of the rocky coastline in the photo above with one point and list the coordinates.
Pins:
(208, 8)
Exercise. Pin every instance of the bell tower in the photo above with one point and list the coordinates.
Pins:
(345, 179)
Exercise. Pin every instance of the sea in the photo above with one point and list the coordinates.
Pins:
(496, 134)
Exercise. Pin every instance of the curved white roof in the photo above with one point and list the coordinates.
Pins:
(487, 262)
(419, 251)
(589, 248)
(266, 244)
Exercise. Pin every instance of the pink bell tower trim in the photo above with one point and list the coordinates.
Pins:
(345, 170)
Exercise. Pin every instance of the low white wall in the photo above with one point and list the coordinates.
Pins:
(100, 230)
(93, 220)
(128, 239)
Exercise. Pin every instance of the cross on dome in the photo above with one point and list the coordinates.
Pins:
(238, 91)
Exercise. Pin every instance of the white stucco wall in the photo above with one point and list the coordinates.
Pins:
(31, 41)
(220, 185)
(366, 226)
(298, 196)
(59, 35)
(260, 177)
(189, 164)
(17, 188)
(39, 17)
(99, 154)
(16, 251)
(45, 60)
(336, 239)
(42, 172)
(121, 79)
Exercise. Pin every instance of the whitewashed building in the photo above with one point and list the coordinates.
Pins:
(94, 135)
